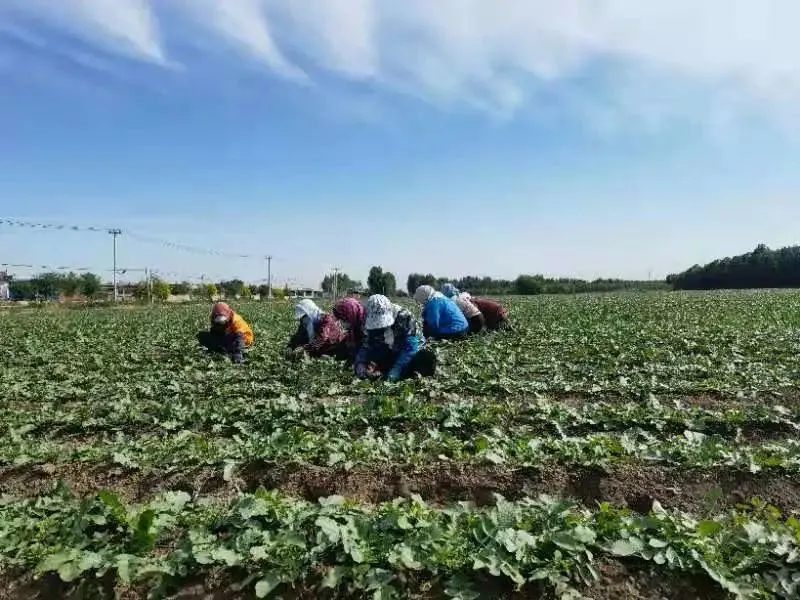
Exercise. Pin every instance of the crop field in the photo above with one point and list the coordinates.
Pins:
(610, 447)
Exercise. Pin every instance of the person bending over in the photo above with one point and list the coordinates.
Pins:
(229, 334)
(352, 316)
(441, 317)
(392, 345)
(473, 314)
(318, 333)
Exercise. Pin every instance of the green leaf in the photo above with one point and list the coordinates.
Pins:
(407, 558)
(708, 528)
(229, 470)
(55, 561)
(69, 571)
(330, 528)
(267, 584)
(334, 577)
(124, 566)
(229, 557)
(404, 523)
(335, 458)
(624, 548)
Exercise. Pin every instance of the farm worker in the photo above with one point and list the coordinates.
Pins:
(474, 316)
(392, 344)
(229, 334)
(352, 315)
(441, 317)
(496, 314)
(318, 333)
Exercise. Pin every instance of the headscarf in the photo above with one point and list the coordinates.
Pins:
(307, 308)
(423, 294)
(449, 290)
(350, 311)
(221, 313)
(380, 312)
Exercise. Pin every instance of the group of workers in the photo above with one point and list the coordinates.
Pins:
(380, 339)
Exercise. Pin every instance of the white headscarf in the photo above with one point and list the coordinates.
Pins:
(423, 294)
(381, 312)
(307, 308)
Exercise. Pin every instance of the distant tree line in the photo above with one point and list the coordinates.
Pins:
(761, 268)
(48, 286)
(55, 286)
(529, 285)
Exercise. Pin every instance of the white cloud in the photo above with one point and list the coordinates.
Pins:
(498, 55)
(128, 26)
(243, 23)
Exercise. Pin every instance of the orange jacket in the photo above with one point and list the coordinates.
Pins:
(238, 325)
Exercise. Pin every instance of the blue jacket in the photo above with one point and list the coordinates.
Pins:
(407, 340)
(443, 317)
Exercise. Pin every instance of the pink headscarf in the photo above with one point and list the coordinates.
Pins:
(351, 311)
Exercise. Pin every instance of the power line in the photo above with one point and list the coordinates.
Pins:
(50, 226)
(131, 234)
(184, 247)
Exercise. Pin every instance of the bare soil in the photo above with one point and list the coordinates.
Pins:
(618, 581)
(634, 485)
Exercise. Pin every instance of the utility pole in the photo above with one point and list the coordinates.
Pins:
(269, 277)
(335, 282)
(115, 233)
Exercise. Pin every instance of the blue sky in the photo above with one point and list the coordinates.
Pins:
(583, 138)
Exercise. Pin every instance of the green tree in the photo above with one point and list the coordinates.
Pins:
(389, 284)
(161, 290)
(375, 281)
(90, 285)
(417, 279)
(761, 268)
(209, 291)
(232, 288)
(246, 292)
(343, 284)
(527, 285)
(184, 288)
(47, 285)
(21, 290)
(70, 285)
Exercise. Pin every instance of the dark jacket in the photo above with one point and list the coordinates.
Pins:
(329, 338)
(495, 313)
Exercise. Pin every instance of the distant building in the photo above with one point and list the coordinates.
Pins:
(5, 286)
(305, 293)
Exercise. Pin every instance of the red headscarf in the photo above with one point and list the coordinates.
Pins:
(221, 310)
(350, 311)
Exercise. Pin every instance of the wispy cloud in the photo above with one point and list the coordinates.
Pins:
(498, 56)
(127, 26)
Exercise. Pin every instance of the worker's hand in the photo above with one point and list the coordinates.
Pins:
(294, 353)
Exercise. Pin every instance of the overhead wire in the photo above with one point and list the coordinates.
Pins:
(127, 233)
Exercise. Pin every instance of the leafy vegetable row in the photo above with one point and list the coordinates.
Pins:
(271, 543)
(515, 446)
(461, 416)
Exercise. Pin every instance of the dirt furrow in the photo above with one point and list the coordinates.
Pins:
(618, 580)
(633, 485)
